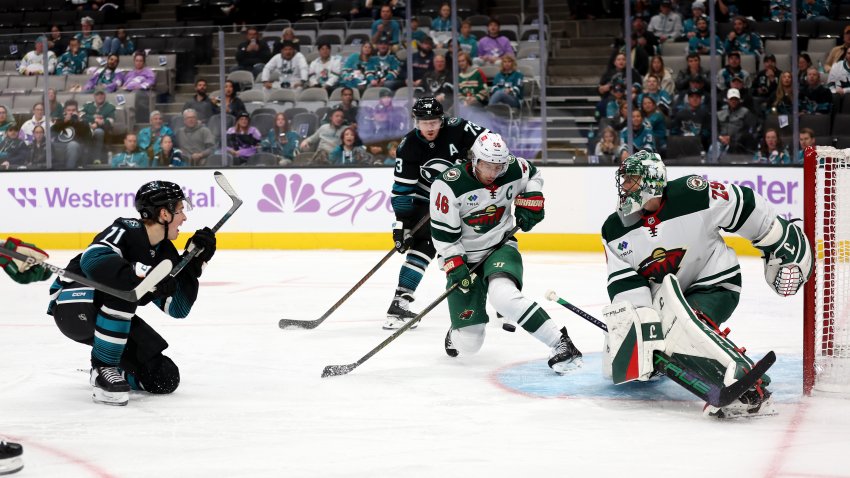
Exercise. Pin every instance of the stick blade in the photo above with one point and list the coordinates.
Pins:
(336, 370)
(152, 278)
(297, 324)
(224, 184)
(731, 393)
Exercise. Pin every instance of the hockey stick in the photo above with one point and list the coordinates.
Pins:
(710, 392)
(148, 283)
(312, 324)
(334, 370)
(224, 184)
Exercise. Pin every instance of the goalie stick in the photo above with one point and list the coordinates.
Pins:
(224, 184)
(312, 324)
(148, 283)
(334, 370)
(706, 390)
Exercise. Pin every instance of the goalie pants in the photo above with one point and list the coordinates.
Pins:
(716, 303)
(147, 368)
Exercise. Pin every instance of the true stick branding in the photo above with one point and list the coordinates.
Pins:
(671, 369)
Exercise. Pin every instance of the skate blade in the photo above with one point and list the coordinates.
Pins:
(118, 399)
(396, 324)
(562, 368)
(11, 465)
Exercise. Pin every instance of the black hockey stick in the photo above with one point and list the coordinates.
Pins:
(710, 392)
(148, 283)
(312, 324)
(237, 202)
(334, 370)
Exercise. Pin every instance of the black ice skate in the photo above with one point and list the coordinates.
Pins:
(11, 457)
(109, 386)
(451, 351)
(399, 314)
(755, 402)
(565, 356)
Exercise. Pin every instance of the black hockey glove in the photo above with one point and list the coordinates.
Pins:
(401, 237)
(165, 288)
(205, 239)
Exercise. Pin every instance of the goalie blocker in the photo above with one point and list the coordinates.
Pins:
(671, 326)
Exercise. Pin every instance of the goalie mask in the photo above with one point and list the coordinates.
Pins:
(490, 148)
(641, 177)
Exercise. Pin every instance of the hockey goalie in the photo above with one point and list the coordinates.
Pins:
(673, 281)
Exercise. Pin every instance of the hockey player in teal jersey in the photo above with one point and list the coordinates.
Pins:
(470, 214)
(127, 352)
(668, 264)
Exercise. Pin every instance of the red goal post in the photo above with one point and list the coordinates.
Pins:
(826, 344)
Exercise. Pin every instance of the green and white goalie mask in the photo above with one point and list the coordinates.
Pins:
(490, 148)
(641, 177)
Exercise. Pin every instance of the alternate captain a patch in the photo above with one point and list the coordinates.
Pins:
(697, 183)
(660, 263)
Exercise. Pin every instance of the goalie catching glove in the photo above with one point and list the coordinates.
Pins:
(788, 261)
(20, 271)
(529, 210)
(458, 273)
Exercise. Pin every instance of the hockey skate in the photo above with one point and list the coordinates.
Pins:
(755, 402)
(565, 356)
(11, 457)
(451, 351)
(399, 313)
(109, 386)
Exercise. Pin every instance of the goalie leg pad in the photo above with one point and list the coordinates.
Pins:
(633, 336)
(693, 341)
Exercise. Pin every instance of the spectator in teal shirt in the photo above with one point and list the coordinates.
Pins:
(150, 138)
(281, 142)
(132, 156)
(507, 85)
(73, 61)
(468, 42)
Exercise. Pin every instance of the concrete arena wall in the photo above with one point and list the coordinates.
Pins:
(326, 208)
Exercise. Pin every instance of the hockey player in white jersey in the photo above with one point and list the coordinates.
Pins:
(470, 214)
(668, 265)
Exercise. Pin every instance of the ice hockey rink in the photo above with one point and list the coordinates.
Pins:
(252, 403)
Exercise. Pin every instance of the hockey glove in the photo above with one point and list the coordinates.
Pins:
(23, 272)
(458, 273)
(788, 260)
(165, 288)
(401, 237)
(203, 238)
(529, 209)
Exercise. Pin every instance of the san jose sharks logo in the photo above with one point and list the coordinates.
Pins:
(483, 221)
(433, 168)
(660, 263)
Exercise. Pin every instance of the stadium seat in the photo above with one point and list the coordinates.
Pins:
(820, 124)
(681, 146)
(290, 114)
(840, 123)
(336, 95)
(262, 159)
(263, 122)
(305, 124)
(252, 95)
(312, 98)
(245, 79)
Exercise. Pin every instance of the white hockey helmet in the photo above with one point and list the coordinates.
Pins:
(649, 171)
(490, 147)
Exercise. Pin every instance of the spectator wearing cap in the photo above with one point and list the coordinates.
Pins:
(416, 34)
(492, 47)
(120, 44)
(252, 54)
(765, 83)
(693, 119)
(423, 61)
(243, 139)
(839, 76)
(385, 119)
(667, 24)
(695, 83)
(700, 43)
(689, 26)
(326, 138)
(131, 156)
(347, 105)
(90, 42)
(815, 98)
(325, 69)
(33, 62)
(742, 40)
(99, 114)
(382, 69)
(140, 78)
(836, 55)
(613, 75)
(13, 150)
(618, 96)
(737, 83)
(386, 28)
(291, 67)
(817, 10)
(736, 125)
(732, 69)
(105, 76)
(73, 61)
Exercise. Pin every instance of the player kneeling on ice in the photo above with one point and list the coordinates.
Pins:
(126, 352)
(470, 214)
(672, 279)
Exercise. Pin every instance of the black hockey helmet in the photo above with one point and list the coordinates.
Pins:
(155, 195)
(427, 108)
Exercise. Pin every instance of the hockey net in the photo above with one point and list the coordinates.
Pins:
(826, 347)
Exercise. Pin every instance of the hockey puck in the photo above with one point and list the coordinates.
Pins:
(508, 327)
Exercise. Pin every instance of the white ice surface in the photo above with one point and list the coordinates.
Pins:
(252, 403)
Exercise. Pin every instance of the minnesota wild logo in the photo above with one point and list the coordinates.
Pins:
(483, 221)
(660, 263)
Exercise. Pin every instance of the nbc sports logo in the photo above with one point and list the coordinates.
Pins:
(23, 196)
(288, 194)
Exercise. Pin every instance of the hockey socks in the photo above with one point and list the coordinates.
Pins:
(110, 336)
(412, 270)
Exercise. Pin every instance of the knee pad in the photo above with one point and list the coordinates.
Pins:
(76, 319)
(468, 340)
(159, 376)
(506, 298)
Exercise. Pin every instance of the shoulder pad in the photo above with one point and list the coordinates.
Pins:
(697, 183)
(451, 174)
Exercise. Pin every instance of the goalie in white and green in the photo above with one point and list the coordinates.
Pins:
(470, 215)
(673, 281)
